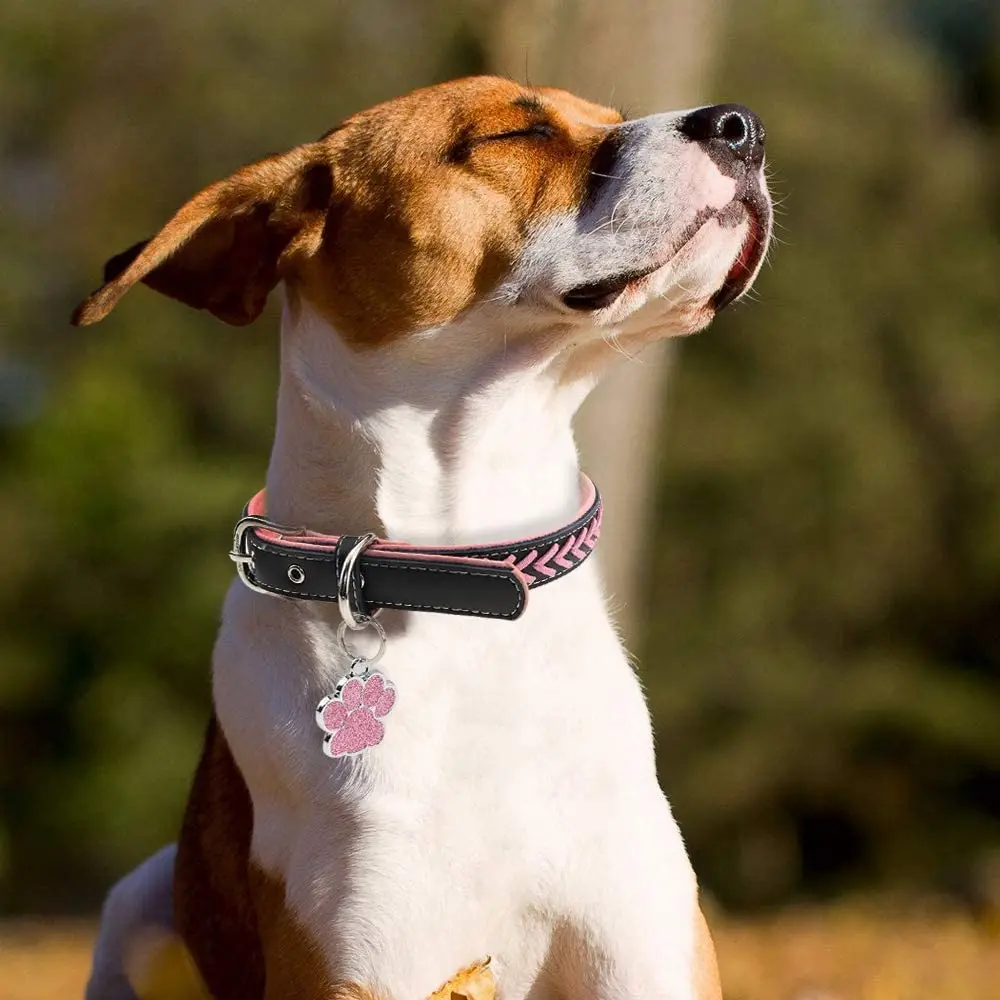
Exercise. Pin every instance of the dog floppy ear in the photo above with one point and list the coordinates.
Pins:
(229, 245)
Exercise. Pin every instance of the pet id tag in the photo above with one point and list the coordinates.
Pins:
(352, 716)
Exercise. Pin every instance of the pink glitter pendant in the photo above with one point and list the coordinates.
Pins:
(352, 716)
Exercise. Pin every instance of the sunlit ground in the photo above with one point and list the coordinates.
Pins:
(844, 953)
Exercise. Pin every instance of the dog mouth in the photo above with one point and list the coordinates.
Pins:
(741, 274)
(601, 294)
(597, 295)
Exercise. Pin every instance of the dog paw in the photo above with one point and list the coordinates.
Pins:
(352, 717)
(473, 983)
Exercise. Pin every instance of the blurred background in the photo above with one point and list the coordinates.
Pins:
(818, 629)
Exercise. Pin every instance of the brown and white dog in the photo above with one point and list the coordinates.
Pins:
(460, 266)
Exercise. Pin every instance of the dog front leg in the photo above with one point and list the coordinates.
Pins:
(648, 958)
(639, 932)
(136, 917)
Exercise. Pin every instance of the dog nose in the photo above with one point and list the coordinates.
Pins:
(729, 127)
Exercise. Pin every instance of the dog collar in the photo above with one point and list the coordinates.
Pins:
(365, 573)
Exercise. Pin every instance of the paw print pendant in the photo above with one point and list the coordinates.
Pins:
(352, 716)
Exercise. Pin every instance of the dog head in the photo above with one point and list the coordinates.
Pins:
(471, 195)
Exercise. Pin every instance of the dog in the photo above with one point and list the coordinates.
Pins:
(460, 266)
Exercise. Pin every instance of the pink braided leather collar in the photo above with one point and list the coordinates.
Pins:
(490, 581)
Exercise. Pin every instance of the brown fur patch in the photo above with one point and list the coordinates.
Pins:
(295, 965)
(214, 910)
(431, 207)
(397, 220)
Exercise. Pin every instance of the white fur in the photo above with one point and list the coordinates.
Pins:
(515, 791)
(513, 808)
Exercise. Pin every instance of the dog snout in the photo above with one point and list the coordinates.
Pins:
(732, 133)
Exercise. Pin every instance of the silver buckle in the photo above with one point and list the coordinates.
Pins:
(243, 558)
(353, 621)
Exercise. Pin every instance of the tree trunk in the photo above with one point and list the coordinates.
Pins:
(642, 56)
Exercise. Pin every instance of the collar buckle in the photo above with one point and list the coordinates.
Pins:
(240, 552)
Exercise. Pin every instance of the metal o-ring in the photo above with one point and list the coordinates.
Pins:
(366, 622)
(296, 574)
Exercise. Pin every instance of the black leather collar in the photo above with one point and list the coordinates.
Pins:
(487, 581)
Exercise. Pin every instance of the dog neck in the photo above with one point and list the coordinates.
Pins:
(451, 437)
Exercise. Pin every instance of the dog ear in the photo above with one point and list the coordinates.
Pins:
(229, 245)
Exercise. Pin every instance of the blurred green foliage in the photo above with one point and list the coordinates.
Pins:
(823, 649)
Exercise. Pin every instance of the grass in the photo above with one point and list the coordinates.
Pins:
(847, 952)
(857, 953)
